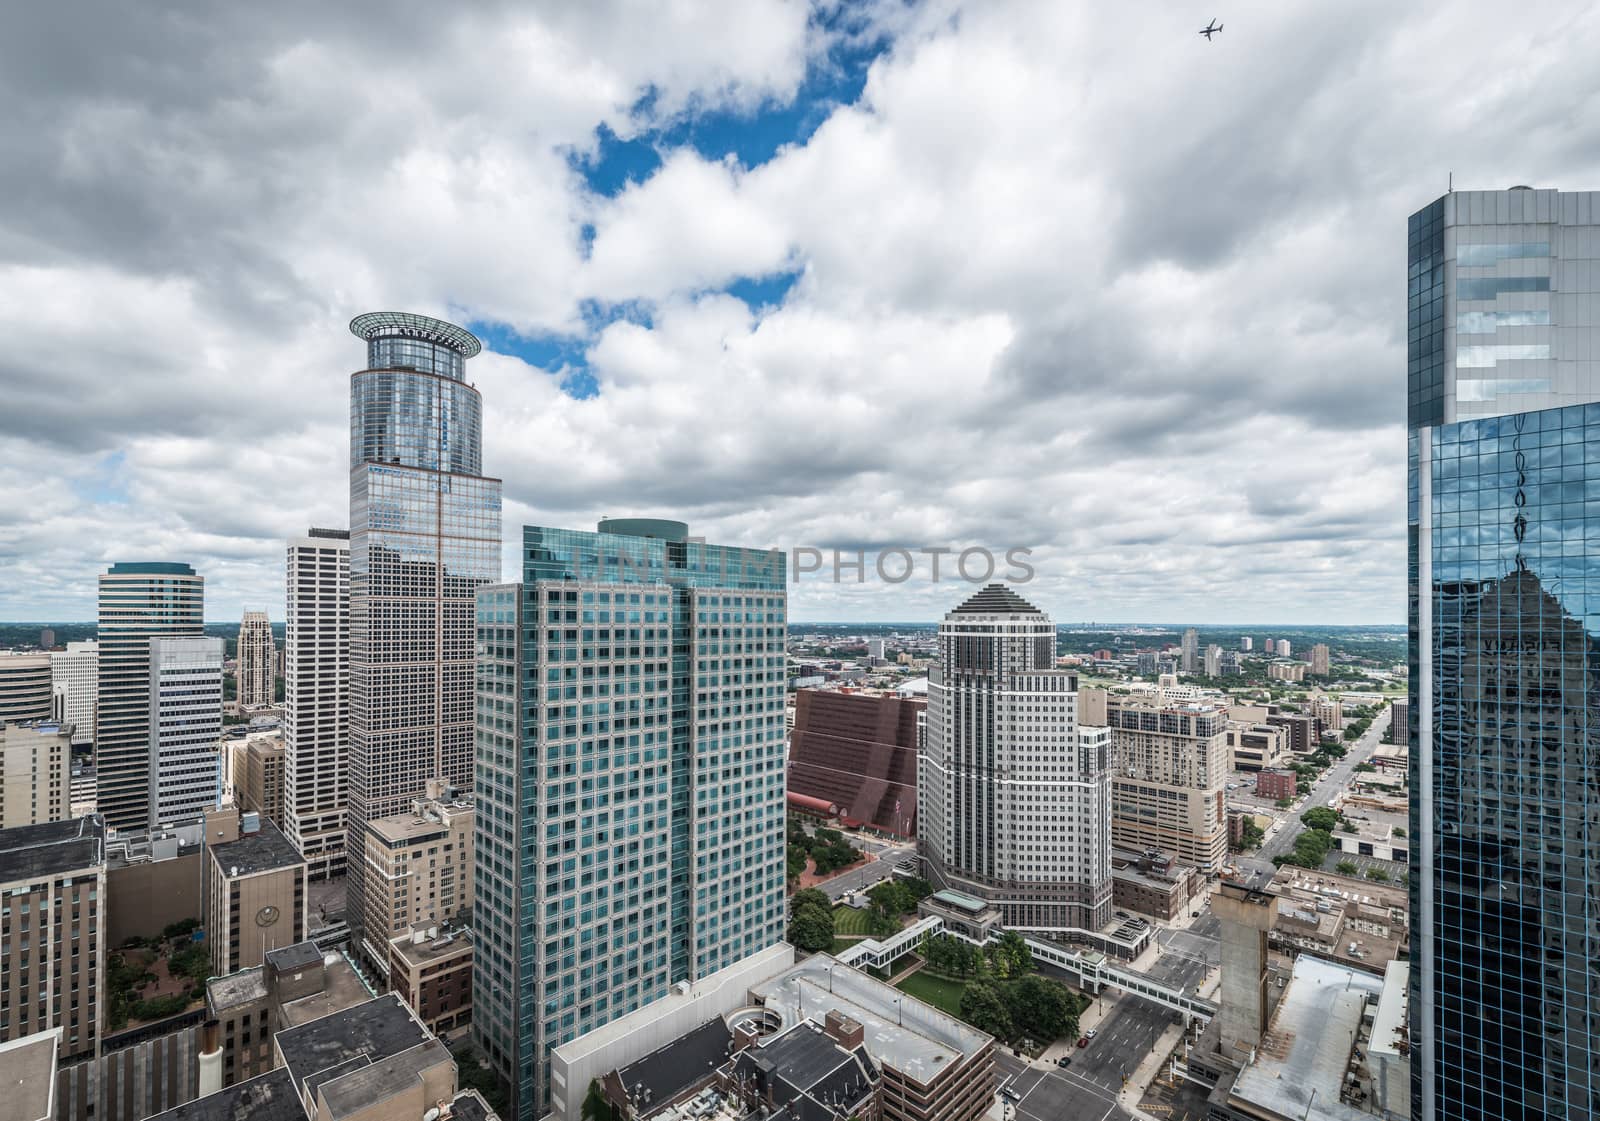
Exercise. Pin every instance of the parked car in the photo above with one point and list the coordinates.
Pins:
(1064, 1061)
(1091, 1033)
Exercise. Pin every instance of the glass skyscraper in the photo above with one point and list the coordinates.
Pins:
(139, 601)
(424, 536)
(630, 782)
(1504, 519)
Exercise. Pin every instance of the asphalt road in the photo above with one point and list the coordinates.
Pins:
(1322, 794)
(872, 872)
(1056, 1094)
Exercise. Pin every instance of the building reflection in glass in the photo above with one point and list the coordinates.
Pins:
(1509, 514)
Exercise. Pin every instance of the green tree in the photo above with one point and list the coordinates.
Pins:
(1377, 875)
(1041, 1008)
(1346, 868)
(1320, 817)
(596, 1106)
(811, 896)
(1012, 958)
(811, 929)
(893, 897)
(983, 1007)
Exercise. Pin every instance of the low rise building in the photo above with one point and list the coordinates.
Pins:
(1277, 785)
(34, 783)
(1257, 747)
(432, 971)
(1341, 918)
(254, 897)
(1375, 839)
(369, 1062)
(1153, 883)
(1286, 671)
(295, 985)
(933, 1066)
(745, 1073)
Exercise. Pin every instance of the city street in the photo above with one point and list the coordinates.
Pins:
(888, 854)
(1056, 1094)
(1259, 864)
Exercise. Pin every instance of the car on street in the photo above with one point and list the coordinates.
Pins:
(1083, 1041)
(1091, 1033)
(1064, 1061)
(1009, 1094)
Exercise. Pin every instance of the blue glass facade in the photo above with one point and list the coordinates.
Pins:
(424, 536)
(629, 779)
(1506, 545)
(1503, 543)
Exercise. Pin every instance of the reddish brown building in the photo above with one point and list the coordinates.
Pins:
(858, 753)
(432, 972)
(1276, 784)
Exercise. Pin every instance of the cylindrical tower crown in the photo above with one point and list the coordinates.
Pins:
(412, 406)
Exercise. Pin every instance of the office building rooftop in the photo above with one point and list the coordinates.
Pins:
(912, 1037)
(265, 850)
(48, 849)
(366, 1033)
(269, 1097)
(1301, 1066)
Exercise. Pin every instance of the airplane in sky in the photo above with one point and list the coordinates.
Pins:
(1211, 29)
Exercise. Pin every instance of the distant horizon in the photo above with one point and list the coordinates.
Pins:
(1094, 624)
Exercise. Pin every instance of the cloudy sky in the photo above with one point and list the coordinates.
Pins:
(855, 276)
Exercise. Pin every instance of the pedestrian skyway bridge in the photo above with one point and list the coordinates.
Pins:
(1093, 969)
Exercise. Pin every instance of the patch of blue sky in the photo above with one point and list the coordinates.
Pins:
(107, 483)
(751, 137)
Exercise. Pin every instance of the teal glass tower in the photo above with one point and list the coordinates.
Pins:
(630, 782)
(1504, 556)
(139, 601)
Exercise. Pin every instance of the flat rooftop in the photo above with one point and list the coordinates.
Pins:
(265, 850)
(52, 848)
(268, 1097)
(28, 1070)
(1300, 1067)
(431, 951)
(286, 959)
(914, 1038)
(372, 1030)
(360, 1089)
(237, 989)
(402, 828)
(962, 902)
(805, 1059)
(342, 989)
(668, 1071)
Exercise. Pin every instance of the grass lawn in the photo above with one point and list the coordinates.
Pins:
(944, 995)
(850, 920)
(840, 944)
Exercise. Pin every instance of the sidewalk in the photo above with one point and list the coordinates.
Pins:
(1145, 1073)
